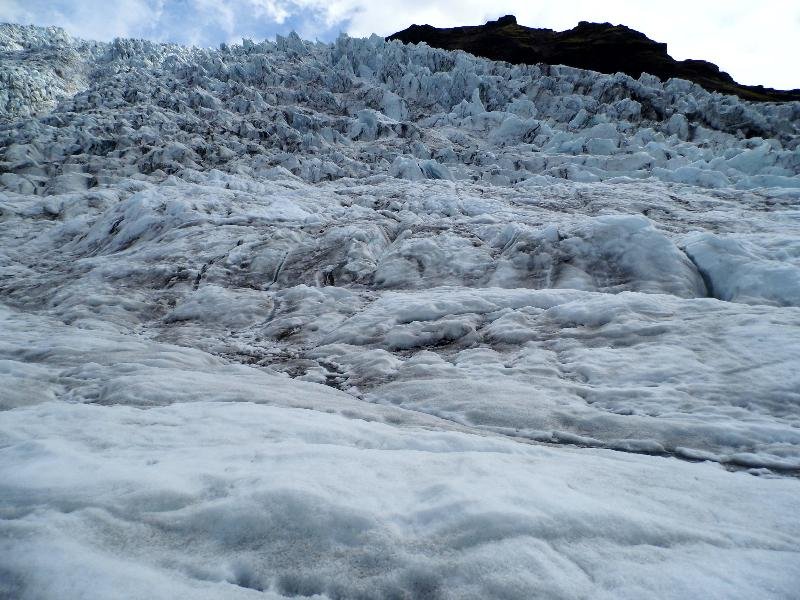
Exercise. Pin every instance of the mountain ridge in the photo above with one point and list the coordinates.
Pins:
(601, 47)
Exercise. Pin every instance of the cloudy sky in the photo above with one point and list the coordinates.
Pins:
(756, 41)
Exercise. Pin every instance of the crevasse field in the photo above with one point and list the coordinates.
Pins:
(364, 320)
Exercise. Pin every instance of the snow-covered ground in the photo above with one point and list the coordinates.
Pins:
(366, 320)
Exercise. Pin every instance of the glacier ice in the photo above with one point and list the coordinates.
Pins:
(356, 107)
(366, 320)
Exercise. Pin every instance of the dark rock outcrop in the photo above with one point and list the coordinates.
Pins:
(599, 47)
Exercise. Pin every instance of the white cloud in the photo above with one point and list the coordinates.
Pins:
(90, 19)
(756, 41)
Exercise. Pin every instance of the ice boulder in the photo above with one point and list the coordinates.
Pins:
(735, 274)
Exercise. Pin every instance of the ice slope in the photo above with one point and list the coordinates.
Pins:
(360, 107)
(160, 472)
(365, 320)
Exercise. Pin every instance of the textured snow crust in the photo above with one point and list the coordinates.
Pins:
(365, 320)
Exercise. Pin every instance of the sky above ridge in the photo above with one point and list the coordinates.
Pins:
(756, 41)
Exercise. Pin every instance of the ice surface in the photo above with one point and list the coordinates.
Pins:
(212, 499)
(360, 107)
(365, 320)
(734, 273)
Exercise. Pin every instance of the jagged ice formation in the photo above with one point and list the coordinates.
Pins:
(366, 320)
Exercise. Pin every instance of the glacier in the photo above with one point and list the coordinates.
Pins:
(371, 320)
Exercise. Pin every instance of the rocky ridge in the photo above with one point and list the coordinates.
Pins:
(601, 47)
